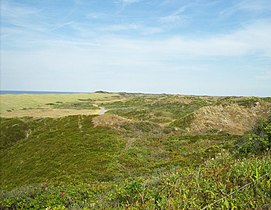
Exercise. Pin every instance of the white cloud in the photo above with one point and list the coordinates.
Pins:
(252, 39)
(90, 50)
(145, 54)
(93, 63)
(129, 1)
(84, 30)
(177, 17)
(180, 19)
(140, 29)
(16, 10)
(62, 25)
(96, 15)
(119, 27)
(152, 30)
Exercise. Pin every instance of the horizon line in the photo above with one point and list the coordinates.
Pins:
(3, 92)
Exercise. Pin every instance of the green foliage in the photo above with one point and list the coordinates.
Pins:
(183, 122)
(258, 141)
(47, 196)
(148, 162)
(177, 188)
(247, 102)
(70, 148)
(61, 150)
(12, 131)
(127, 194)
(82, 104)
(162, 109)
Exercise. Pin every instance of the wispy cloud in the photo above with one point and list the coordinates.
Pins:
(251, 39)
(248, 7)
(131, 28)
(120, 27)
(129, 1)
(168, 41)
(179, 19)
(258, 6)
(17, 10)
(178, 16)
(62, 25)
(19, 15)
(96, 15)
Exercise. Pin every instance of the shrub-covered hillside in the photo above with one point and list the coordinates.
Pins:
(145, 152)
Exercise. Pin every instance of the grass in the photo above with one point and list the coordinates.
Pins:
(48, 112)
(158, 109)
(247, 102)
(147, 161)
(13, 102)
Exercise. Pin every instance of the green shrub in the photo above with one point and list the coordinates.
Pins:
(183, 122)
(127, 193)
(258, 141)
(12, 131)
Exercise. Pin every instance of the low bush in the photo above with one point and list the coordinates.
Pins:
(258, 141)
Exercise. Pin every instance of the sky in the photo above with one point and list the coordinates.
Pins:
(198, 47)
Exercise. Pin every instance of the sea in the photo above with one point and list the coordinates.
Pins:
(35, 92)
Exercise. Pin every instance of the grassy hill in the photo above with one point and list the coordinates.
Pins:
(145, 152)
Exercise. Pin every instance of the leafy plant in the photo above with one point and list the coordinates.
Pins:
(258, 141)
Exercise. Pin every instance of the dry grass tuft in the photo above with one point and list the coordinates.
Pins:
(52, 113)
(112, 121)
(232, 118)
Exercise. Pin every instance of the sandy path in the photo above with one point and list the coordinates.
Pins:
(102, 111)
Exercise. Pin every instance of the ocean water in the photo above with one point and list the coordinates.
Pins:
(35, 92)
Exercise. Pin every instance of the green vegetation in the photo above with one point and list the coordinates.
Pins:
(12, 130)
(64, 149)
(178, 188)
(258, 141)
(82, 104)
(142, 154)
(158, 109)
(247, 102)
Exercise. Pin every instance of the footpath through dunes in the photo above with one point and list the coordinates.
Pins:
(102, 111)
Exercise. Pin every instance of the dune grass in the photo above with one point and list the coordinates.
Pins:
(11, 102)
(143, 158)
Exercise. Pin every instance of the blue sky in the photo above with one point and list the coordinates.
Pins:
(211, 47)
